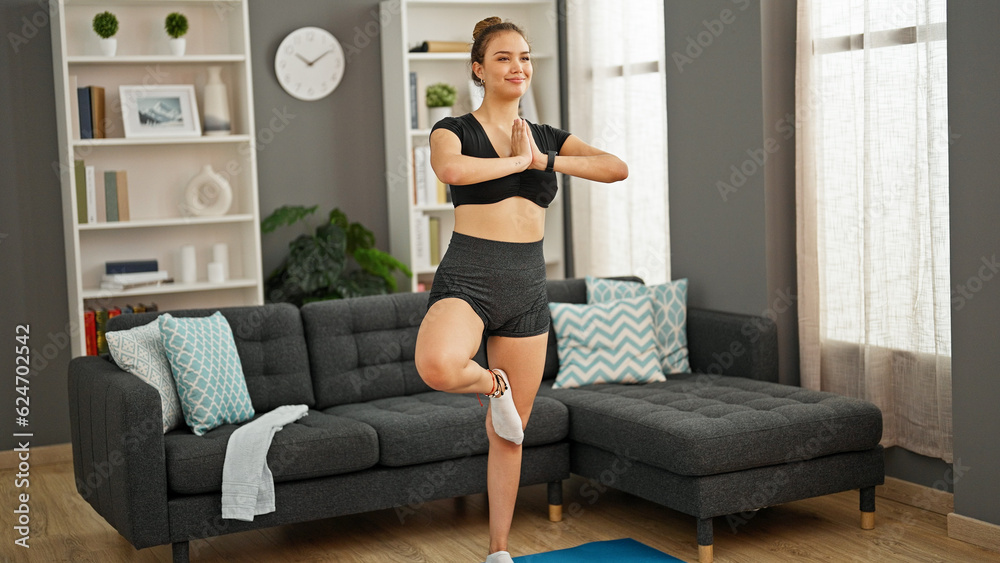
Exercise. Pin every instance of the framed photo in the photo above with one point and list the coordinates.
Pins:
(160, 111)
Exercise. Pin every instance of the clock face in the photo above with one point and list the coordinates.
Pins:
(309, 63)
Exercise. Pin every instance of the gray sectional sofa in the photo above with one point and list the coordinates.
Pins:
(724, 440)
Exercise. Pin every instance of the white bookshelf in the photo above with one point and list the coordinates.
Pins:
(159, 169)
(406, 25)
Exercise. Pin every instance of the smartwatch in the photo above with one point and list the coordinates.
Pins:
(552, 161)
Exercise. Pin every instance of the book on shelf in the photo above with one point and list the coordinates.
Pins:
(121, 186)
(111, 195)
(101, 326)
(116, 195)
(414, 116)
(421, 241)
(131, 266)
(74, 103)
(91, 181)
(97, 110)
(84, 115)
(442, 47)
(434, 230)
(80, 179)
(90, 331)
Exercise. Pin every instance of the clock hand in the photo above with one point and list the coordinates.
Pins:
(320, 57)
(303, 59)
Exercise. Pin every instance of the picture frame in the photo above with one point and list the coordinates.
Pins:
(167, 110)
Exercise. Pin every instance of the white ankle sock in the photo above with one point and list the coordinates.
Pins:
(499, 557)
(506, 421)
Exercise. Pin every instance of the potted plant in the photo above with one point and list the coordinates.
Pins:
(440, 98)
(106, 26)
(176, 25)
(337, 259)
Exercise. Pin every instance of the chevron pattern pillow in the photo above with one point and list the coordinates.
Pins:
(207, 369)
(669, 314)
(140, 352)
(610, 342)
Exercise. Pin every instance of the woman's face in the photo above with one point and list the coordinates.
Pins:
(506, 68)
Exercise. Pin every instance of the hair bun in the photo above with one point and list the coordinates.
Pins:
(482, 25)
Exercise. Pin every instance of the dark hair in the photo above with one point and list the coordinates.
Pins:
(481, 35)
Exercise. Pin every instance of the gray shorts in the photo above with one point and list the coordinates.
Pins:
(503, 282)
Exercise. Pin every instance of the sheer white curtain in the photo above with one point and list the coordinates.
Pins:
(618, 104)
(872, 199)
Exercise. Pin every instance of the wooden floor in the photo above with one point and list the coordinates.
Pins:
(65, 528)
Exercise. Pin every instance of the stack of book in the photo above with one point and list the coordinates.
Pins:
(95, 324)
(100, 198)
(133, 274)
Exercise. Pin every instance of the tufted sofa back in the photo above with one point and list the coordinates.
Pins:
(361, 349)
(271, 346)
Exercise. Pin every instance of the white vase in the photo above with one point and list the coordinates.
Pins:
(437, 114)
(109, 46)
(216, 104)
(208, 194)
(177, 46)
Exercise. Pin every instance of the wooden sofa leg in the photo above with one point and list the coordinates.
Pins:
(180, 550)
(705, 540)
(555, 501)
(868, 508)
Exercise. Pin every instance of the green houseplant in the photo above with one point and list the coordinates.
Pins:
(176, 26)
(440, 98)
(105, 25)
(338, 259)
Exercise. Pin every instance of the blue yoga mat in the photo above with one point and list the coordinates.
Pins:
(620, 551)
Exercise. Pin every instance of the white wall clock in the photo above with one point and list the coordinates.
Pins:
(309, 63)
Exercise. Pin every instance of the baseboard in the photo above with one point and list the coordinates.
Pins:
(976, 532)
(920, 496)
(38, 455)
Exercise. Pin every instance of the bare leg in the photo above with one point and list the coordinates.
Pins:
(523, 359)
(449, 337)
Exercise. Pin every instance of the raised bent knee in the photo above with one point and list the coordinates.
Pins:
(439, 371)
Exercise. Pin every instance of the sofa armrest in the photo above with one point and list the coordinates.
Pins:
(118, 454)
(732, 344)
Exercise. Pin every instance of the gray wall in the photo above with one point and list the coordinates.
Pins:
(331, 152)
(32, 261)
(973, 106)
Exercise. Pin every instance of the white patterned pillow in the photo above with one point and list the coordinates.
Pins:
(606, 343)
(669, 314)
(139, 351)
(207, 369)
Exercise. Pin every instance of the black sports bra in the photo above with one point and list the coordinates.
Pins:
(537, 186)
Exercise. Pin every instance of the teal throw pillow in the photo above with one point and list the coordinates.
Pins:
(207, 369)
(669, 314)
(606, 343)
(140, 352)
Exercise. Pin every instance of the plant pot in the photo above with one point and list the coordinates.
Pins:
(177, 46)
(109, 46)
(436, 114)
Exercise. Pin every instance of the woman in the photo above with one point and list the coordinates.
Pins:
(501, 170)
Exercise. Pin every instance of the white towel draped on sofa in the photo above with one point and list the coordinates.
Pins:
(247, 483)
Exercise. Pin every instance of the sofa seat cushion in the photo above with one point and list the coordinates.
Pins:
(704, 425)
(316, 445)
(436, 426)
